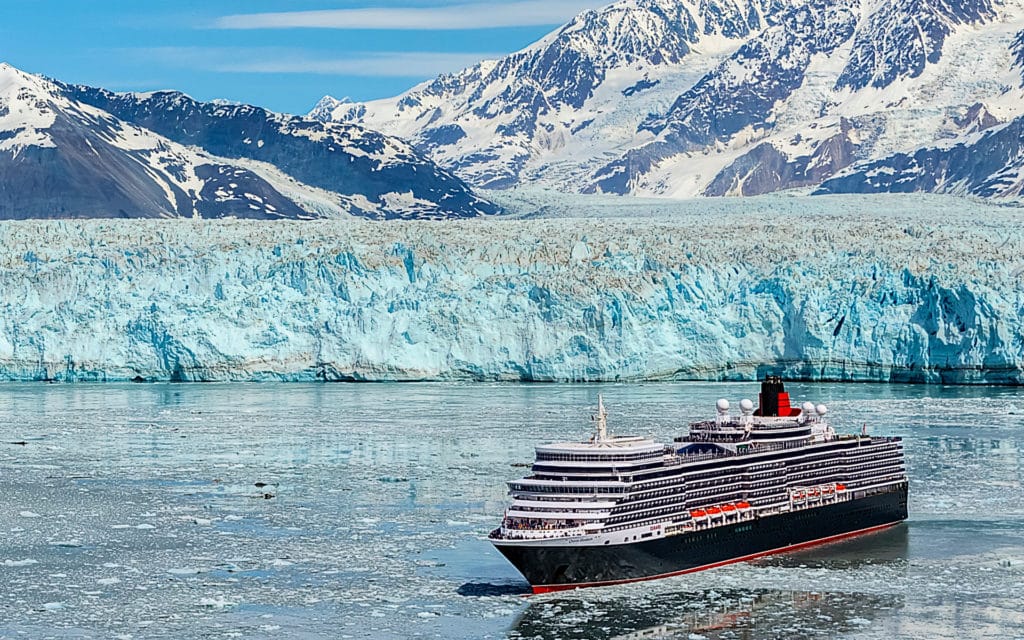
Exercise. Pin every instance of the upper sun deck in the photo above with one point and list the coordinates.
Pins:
(602, 447)
(619, 445)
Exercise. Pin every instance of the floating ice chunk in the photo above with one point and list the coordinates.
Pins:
(186, 571)
(53, 606)
(108, 581)
(20, 563)
(29, 514)
(144, 526)
(216, 603)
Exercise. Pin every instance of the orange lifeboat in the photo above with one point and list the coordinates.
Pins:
(698, 514)
(714, 511)
(814, 493)
(728, 509)
(828, 489)
(743, 506)
(840, 487)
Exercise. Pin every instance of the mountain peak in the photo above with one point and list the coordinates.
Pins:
(11, 77)
(327, 104)
(682, 98)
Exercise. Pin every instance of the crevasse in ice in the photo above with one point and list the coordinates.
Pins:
(892, 292)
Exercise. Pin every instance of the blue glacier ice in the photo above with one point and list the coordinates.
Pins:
(913, 288)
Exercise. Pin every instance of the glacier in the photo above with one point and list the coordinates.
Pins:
(873, 287)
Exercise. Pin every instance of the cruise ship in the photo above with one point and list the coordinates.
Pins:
(769, 480)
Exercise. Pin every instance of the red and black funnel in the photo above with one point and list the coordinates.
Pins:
(774, 401)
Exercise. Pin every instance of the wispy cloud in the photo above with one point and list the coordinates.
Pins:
(517, 13)
(395, 64)
(385, 64)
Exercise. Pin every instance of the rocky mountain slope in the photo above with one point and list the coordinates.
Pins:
(732, 97)
(78, 152)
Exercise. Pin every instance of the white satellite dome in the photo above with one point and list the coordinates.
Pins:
(808, 408)
(723, 405)
(821, 409)
(746, 406)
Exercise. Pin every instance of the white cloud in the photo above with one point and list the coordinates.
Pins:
(397, 64)
(517, 13)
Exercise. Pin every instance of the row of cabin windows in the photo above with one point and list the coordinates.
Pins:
(649, 495)
(515, 486)
(662, 483)
(824, 454)
(573, 457)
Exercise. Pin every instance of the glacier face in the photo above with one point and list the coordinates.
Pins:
(905, 288)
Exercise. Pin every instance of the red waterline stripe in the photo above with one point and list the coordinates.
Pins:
(550, 588)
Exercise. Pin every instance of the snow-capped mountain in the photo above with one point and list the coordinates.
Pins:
(702, 97)
(378, 175)
(67, 152)
(584, 88)
(60, 158)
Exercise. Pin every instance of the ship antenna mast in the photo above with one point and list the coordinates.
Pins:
(601, 420)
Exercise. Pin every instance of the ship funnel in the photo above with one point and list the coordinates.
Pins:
(773, 400)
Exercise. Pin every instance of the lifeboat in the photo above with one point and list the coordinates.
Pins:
(840, 487)
(714, 511)
(699, 514)
(799, 496)
(743, 506)
(728, 509)
(828, 489)
(814, 492)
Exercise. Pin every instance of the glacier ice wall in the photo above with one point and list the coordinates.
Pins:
(928, 292)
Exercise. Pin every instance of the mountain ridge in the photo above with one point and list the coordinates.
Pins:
(74, 151)
(772, 96)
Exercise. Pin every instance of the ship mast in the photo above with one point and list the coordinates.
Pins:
(601, 421)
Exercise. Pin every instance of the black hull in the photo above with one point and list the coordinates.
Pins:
(555, 568)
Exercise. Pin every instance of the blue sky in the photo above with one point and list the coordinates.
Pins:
(283, 55)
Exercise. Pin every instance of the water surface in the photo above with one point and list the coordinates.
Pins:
(356, 511)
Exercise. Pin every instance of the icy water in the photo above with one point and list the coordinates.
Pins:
(356, 511)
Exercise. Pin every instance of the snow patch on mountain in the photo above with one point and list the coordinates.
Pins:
(988, 162)
(25, 114)
(885, 49)
(1018, 51)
